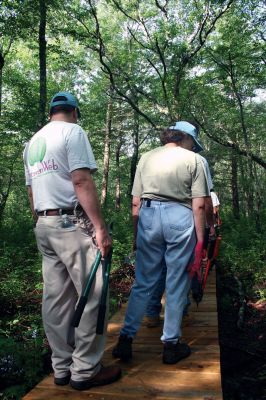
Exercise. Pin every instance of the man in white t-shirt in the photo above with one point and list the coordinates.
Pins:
(58, 165)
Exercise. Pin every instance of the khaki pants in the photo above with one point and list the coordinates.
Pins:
(68, 254)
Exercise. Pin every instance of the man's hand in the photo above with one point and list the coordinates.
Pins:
(194, 267)
(104, 241)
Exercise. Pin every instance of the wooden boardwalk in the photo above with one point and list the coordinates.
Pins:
(145, 377)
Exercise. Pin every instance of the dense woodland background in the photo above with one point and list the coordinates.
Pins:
(136, 66)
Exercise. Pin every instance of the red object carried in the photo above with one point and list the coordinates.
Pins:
(213, 252)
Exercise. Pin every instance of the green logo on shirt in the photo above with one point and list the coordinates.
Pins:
(37, 151)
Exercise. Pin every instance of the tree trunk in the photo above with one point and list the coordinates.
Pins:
(118, 179)
(135, 156)
(3, 200)
(250, 189)
(106, 158)
(247, 198)
(234, 185)
(1, 83)
(2, 62)
(42, 63)
(4, 192)
(258, 201)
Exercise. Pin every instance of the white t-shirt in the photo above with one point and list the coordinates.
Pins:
(215, 200)
(51, 155)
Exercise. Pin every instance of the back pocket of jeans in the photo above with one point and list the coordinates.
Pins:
(178, 218)
(146, 217)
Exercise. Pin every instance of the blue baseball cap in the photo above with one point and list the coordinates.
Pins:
(64, 99)
(189, 129)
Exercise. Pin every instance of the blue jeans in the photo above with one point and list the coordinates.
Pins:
(165, 232)
(154, 306)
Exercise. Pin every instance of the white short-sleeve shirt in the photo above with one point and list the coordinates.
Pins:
(215, 200)
(49, 158)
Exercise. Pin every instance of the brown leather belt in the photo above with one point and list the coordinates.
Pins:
(58, 211)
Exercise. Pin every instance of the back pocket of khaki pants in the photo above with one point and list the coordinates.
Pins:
(179, 220)
(146, 217)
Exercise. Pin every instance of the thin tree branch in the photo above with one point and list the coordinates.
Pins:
(137, 40)
(120, 8)
(202, 39)
(82, 23)
(232, 145)
(238, 98)
(161, 57)
(101, 53)
(8, 47)
(162, 8)
(207, 14)
(155, 68)
(145, 28)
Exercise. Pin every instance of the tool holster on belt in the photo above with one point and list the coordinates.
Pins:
(83, 220)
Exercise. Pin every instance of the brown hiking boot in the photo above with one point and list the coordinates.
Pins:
(105, 376)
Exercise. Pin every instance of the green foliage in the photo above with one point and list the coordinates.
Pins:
(122, 235)
(113, 306)
(21, 365)
(22, 348)
(243, 252)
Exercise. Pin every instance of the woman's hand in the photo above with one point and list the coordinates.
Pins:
(194, 267)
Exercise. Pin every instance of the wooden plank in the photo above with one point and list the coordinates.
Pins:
(142, 346)
(213, 348)
(195, 363)
(146, 377)
(204, 312)
(157, 347)
(169, 384)
(149, 341)
(54, 394)
(156, 331)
